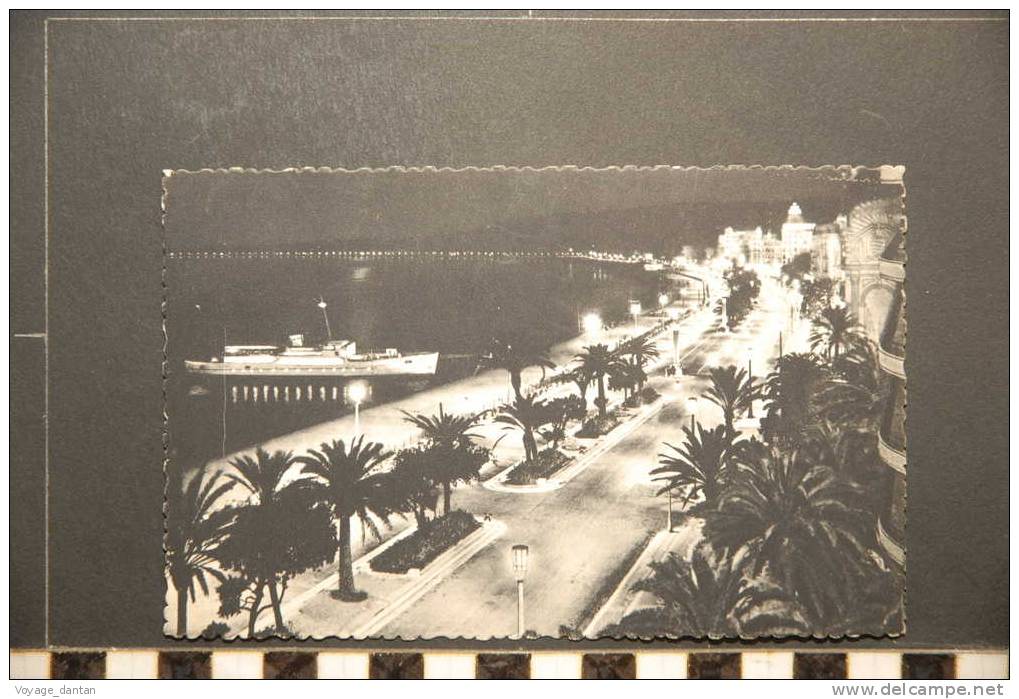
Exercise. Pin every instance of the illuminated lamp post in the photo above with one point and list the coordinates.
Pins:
(356, 394)
(691, 407)
(520, 553)
(635, 310)
(750, 375)
(323, 305)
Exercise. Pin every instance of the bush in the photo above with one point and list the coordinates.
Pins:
(549, 461)
(215, 630)
(597, 426)
(649, 395)
(426, 544)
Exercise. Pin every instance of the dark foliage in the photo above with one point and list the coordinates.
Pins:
(426, 544)
(549, 462)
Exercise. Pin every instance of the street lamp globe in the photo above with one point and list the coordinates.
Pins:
(323, 305)
(692, 405)
(520, 553)
(663, 299)
(592, 323)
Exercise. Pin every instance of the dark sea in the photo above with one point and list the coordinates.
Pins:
(455, 306)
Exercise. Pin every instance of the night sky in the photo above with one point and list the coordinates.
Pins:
(658, 210)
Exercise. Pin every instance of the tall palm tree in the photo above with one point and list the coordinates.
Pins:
(272, 539)
(626, 377)
(444, 428)
(345, 474)
(600, 362)
(641, 350)
(856, 390)
(515, 358)
(790, 394)
(732, 390)
(526, 415)
(708, 597)
(700, 465)
(451, 435)
(834, 329)
(581, 378)
(262, 475)
(194, 531)
(797, 522)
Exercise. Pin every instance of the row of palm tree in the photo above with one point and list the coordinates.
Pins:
(788, 530)
(267, 517)
(621, 367)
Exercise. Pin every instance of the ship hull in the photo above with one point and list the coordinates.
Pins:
(423, 364)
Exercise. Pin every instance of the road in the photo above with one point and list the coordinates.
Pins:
(583, 537)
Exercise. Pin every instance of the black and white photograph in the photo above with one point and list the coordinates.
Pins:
(550, 402)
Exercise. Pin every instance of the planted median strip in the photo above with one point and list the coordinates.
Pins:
(427, 543)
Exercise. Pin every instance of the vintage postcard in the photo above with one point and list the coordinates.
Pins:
(535, 402)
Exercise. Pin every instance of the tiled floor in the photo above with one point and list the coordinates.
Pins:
(296, 664)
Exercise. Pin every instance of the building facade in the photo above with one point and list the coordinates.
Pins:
(892, 434)
(869, 228)
(797, 234)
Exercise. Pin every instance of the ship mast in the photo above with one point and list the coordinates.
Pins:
(323, 305)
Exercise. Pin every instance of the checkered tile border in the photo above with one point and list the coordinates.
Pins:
(241, 664)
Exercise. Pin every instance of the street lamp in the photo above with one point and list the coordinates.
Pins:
(323, 305)
(520, 553)
(592, 323)
(635, 310)
(691, 407)
(356, 394)
(750, 375)
(663, 299)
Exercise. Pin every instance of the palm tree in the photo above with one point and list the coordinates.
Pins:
(515, 359)
(444, 428)
(558, 412)
(834, 329)
(271, 540)
(526, 415)
(262, 475)
(410, 484)
(451, 436)
(700, 465)
(599, 362)
(795, 521)
(625, 378)
(790, 394)
(732, 390)
(194, 531)
(707, 597)
(345, 473)
(581, 378)
(855, 393)
(640, 349)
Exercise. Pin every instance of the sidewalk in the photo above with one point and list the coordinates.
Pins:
(315, 614)
(625, 600)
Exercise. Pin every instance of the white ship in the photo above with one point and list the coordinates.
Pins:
(337, 358)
